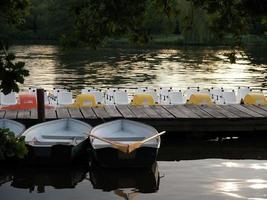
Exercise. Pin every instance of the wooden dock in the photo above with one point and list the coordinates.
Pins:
(178, 119)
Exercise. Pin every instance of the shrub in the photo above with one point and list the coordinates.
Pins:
(10, 146)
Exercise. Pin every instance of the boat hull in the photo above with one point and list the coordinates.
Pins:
(141, 157)
(58, 154)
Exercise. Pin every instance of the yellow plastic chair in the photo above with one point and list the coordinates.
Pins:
(200, 99)
(84, 100)
(143, 99)
(255, 99)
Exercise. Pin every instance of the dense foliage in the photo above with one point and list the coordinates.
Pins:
(10, 146)
(11, 73)
(91, 22)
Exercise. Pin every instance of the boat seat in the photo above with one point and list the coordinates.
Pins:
(44, 143)
(62, 137)
(200, 99)
(125, 138)
(255, 99)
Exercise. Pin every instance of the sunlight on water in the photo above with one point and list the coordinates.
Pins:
(192, 66)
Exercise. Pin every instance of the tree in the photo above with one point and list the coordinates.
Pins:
(12, 12)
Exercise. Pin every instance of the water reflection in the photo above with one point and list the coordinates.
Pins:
(126, 67)
(126, 183)
(39, 177)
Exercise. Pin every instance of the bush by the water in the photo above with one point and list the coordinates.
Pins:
(10, 146)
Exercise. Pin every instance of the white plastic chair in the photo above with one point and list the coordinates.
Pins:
(64, 98)
(228, 98)
(121, 97)
(109, 96)
(176, 98)
(216, 93)
(58, 90)
(242, 92)
(9, 99)
(99, 96)
(164, 91)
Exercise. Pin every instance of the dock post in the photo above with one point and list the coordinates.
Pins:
(40, 105)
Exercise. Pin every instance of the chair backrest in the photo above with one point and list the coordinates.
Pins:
(64, 98)
(99, 96)
(32, 90)
(58, 90)
(255, 99)
(242, 92)
(200, 99)
(88, 90)
(141, 89)
(164, 92)
(9, 99)
(216, 93)
(229, 97)
(109, 99)
(205, 91)
(121, 97)
(85, 100)
(154, 94)
(143, 99)
(176, 98)
(189, 91)
(27, 101)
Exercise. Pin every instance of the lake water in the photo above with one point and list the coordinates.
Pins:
(230, 169)
(131, 67)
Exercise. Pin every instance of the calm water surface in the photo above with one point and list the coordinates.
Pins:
(129, 67)
(201, 170)
(192, 179)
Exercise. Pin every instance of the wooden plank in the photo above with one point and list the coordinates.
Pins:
(162, 112)
(101, 112)
(187, 111)
(197, 110)
(62, 113)
(138, 111)
(263, 107)
(125, 111)
(248, 111)
(11, 114)
(88, 113)
(212, 111)
(75, 113)
(256, 109)
(150, 112)
(2, 113)
(23, 114)
(112, 111)
(235, 111)
(50, 114)
(175, 111)
(224, 112)
(33, 114)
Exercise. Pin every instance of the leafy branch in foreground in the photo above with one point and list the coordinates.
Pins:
(10, 146)
(11, 73)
